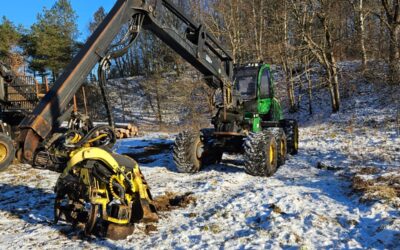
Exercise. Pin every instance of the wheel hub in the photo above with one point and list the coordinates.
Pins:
(296, 141)
(199, 150)
(3, 152)
(271, 154)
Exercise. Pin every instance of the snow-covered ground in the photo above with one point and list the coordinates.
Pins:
(310, 203)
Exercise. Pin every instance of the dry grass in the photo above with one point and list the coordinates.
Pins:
(382, 192)
(368, 170)
(386, 188)
(390, 179)
(359, 184)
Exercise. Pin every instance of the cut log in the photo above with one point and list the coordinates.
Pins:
(134, 131)
(125, 131)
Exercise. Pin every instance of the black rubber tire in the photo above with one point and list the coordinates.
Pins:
(7, 151)
(291, 129)
(185, 152)
(257, 160)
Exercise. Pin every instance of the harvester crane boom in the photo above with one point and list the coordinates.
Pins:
(197, 46)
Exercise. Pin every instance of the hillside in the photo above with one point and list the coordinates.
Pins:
(341, 191)
(181, 98)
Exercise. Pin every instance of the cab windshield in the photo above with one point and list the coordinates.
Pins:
(246, 83)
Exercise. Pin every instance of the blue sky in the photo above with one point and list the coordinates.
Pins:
(25, 11)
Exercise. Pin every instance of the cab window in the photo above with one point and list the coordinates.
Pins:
(246, 83)
(265, 85)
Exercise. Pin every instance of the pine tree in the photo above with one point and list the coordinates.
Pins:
(9, 37)
(52, 38)
(98, 17)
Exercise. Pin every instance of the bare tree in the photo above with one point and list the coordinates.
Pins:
(361, 14)
(307, 59)
(224, 22)
(392, 22)
(318, 13)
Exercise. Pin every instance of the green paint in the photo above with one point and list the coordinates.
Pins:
(264, 105)
(256, 124)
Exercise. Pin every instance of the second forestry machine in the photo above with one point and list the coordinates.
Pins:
(97, 184)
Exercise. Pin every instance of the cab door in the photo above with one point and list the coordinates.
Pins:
(265, 90)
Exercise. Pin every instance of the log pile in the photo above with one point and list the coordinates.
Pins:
(126, 131)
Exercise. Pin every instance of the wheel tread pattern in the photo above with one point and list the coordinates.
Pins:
(255, 154)
(183, 152)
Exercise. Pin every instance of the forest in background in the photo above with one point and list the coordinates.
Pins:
(303, 37)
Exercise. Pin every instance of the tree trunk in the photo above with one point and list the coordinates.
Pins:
(331, 65)
(362, 34)
(392, 11)
(309, 90)
(307, 70)
(382, 38)
(285, 61)
(290, 91)
(329, 79)
(394, 55)
(158, 99)
(336, 92)
(299, 95)
(256, 33)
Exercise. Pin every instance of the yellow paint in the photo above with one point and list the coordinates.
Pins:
(76, 138)
(117, 221)
(3, 152)
(271, 154)
(97, 138)
(98, 154)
